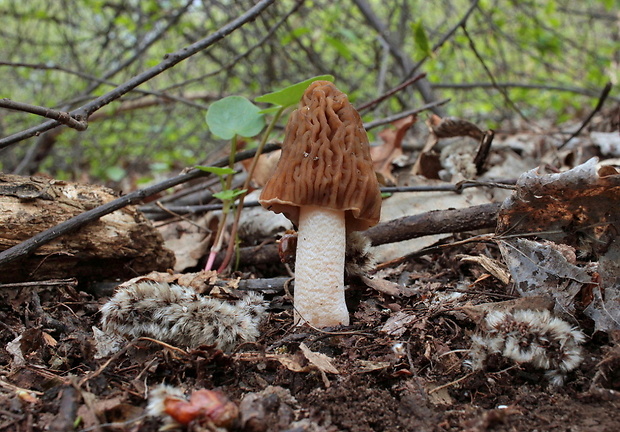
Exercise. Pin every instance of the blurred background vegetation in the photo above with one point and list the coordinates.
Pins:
(541, 62)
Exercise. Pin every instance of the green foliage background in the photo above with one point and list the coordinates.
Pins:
(61, 54)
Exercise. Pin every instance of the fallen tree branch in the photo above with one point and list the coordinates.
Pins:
(27, 247)
(405, 228)
(434, 222)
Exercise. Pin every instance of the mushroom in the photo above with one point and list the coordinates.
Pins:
(325, 184)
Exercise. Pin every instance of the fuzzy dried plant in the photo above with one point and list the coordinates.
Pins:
(179, 316)
(533, 337)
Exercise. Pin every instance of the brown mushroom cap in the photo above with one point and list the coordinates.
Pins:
(325, 161)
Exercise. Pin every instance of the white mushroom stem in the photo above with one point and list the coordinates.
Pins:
(319, 268)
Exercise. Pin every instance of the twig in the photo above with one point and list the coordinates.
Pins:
(458, 187)
(434, 222)
(391, 92)
(501, 90)
(28, 246)
(402, 59)
(390, 119)
(60, 116)
(188, 209)
(180, 210)
(243, 55)
(169, 61)
(599, 105)
(508, 85)
(53, 282)
(450, 383)
(483, 151)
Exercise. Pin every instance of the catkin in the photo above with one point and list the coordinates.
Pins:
(179, 316)
(530, 337)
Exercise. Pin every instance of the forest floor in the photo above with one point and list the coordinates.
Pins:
(400, 365)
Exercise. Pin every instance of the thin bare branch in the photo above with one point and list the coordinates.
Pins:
(373, 124)
(169, 61)
(508, 85)
(599, 105)
(60, 116)
(502, 91)
(403, 60)
(446, 37)
(391, 92)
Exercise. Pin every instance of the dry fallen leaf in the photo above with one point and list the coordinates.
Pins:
(265, 167)
(576, 213)
(396, 325)
(385, 155)
(319, 360)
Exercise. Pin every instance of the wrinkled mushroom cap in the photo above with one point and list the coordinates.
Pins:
(325, 161)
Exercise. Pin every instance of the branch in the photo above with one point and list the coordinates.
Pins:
(467, 86)
(599, 105)
(434, 222)
(60, 116)
(405, 228)
(27, 247)
(403, 60)
(244, 54)
(390, 119)
(501, 90)
(170, 60)
(392, 91)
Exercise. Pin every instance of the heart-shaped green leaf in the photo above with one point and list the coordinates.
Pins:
(234, 115)
(292, 94)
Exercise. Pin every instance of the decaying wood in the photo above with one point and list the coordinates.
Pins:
(27, 247)
(120, 244)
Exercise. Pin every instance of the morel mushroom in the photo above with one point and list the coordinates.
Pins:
(325, 184)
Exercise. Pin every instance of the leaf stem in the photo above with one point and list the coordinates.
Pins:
(219, 237)
(246, 186)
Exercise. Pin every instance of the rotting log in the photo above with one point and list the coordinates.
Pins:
(117, 245)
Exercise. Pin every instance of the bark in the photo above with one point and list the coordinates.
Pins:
(120, 244)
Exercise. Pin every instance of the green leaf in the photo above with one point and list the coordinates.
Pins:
(421, 39)
(218, 171)
(230, 194)
(271, 110)
(292, 94)
(234, 115)
(340, 46)
(115, 173)
(294, 34)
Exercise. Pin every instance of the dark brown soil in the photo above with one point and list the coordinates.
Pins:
(412, 382)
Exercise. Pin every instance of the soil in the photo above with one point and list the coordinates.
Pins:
(414, 379)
